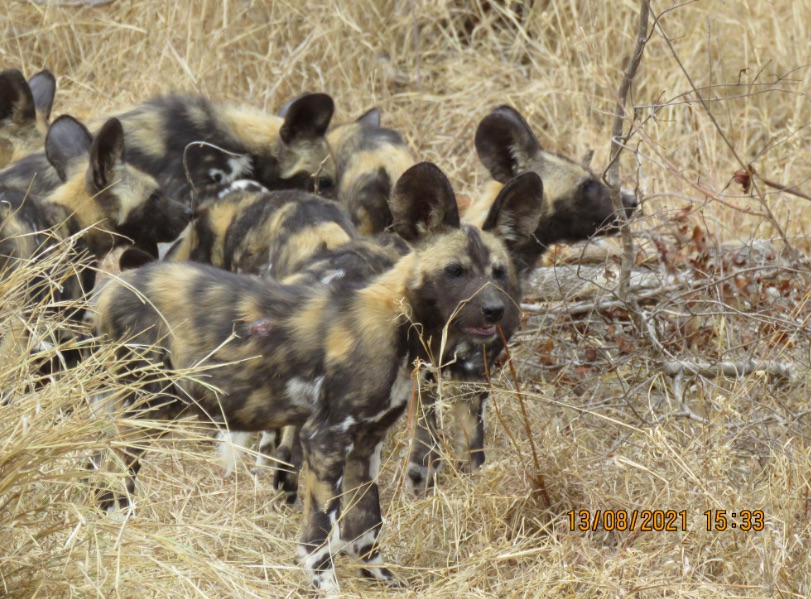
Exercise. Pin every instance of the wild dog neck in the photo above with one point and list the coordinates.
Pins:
(74, 210)
(386, 309)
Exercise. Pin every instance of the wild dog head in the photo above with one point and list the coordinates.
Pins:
(104, 193)
(291, 153)
(577, 204)
(465, 276)
(369, 160)
(25, 107)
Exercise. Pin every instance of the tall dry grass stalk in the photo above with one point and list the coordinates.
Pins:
(611, 430)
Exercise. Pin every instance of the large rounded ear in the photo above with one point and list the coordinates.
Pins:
(505, 143)
(67, 143)
(286, 106)
(423, 203)
(307, 117)
(16, 101)
(107, 154)
(515, 214)
(370, 118)
(43, 90)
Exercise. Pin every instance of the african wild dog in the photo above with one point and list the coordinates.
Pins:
(101, 202)
(336, 359)
(279, 153)
(104, 195)
(25, 108)
(576, 206)
(270, 234)
(369, 161)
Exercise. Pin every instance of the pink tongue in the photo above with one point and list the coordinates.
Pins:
(482, 330)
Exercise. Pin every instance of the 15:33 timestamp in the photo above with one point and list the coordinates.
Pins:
(745, 520)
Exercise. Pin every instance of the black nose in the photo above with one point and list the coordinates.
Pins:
(188, 213)
(630, 202)
(493, 311)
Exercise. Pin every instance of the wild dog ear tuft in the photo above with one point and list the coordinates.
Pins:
(67, 142)
(107, 153)
(505, 143)
(307, 117)
(133, 258)
(423, 203)
(16, 101)
(370, 118)
(516, 212)
(43, 90)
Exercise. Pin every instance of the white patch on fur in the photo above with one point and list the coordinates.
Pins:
(367, 539)
(269, 438)
(248, 185)
(303, 393)
(237, 166)
(401, 389)
(229, 450)
(374, 461)
(331, 276)
(344, 426)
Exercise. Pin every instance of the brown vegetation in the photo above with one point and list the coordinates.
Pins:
(616, 425)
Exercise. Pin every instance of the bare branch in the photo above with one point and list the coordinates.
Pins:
(613, 170)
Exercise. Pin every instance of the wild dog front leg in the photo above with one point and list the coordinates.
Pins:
(325, 447)
(424, 462)
(469, 412)
(151, 397)
(285, 478)
(362, 520)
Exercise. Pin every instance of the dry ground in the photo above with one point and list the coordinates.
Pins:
(610, 430)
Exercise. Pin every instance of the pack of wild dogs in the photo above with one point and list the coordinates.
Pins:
(285, 276)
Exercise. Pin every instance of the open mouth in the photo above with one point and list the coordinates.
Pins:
(481, 331)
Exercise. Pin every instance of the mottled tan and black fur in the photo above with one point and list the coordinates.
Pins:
(279, 153)
(25, 110)
(336, 359)
(577, 205)
(369, 161)
(103, 194)
(102, 202)
(270, 233)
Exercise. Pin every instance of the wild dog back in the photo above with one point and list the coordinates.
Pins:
(369, 161)
(279, 153)
(264, 232)
(315, 338)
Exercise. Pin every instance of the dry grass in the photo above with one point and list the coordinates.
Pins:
(607, 437)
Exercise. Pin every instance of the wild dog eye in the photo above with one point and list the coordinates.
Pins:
(499, 272)
(324, 182)
(155, 198)
(454, 270)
